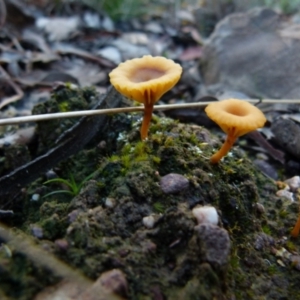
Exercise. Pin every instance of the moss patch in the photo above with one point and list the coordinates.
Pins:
(103, 225)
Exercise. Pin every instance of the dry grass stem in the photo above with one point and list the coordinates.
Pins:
(73, 114)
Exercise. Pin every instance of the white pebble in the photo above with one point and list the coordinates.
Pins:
(285, 194)
(206, 214)
(149, 221)
(293, 183)
(110, 202)
(35, 197)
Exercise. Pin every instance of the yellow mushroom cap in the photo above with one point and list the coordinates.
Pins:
(235, 117)
(145, 79)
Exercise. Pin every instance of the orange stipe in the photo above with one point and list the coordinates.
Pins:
(223, 150)
(296, 229)
(146, 121)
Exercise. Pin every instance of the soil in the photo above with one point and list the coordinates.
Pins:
(106, 208)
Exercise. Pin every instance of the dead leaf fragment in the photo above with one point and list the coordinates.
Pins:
(58, 29)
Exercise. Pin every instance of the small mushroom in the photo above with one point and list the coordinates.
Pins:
(145, 80)
(296, 229)
(236, 118)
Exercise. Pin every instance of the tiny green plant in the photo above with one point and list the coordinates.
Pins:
(73, 187)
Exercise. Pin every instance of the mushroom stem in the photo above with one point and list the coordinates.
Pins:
(224, 149)
(146, 120)
(296, 229)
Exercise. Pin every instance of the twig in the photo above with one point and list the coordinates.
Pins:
(19, 92)
(260, 140)
(73, 114)
(69, 143)
(4, 213)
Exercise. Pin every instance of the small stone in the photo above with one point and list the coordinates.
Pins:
(148, 247)
(149, 221)
(37, 231)
(62, 244)
(265, 167)
(113, 281)
(285, 194)
(263, 241)
(259, 208)
(206, 214)
(293, 183)
(73, 215)
(110, 202)
(102, 145)
(214, 244)
(35, 197)
(51, 174)
(295, 260)
(173, 183)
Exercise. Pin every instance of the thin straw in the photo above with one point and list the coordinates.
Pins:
(73, 114)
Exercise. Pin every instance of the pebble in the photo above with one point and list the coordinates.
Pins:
(285, 194)
(266, 168)
(263, 241)
(37, 231)
(62, 244)
(114, 281)
(206, 214)
(295, 259)
(110, 202)
(149, 221)
(293, 183)
(35, 197)
(173, 183)
(260, 208)
(214, 244)
(51, 174)
(73, 215)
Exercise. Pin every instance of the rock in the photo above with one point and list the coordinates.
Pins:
(110, 202)
(295, 259)
(173, 183)
(263, 241)
(214, 244)
(37, 231)
(206, 214)
(285, 194)
(293, 183)
(62, 244)
(265, 167)
(148, 221)
(287, 135)
(35, 197)
(113, 281)
(254, 53)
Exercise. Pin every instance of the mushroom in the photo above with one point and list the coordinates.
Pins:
(296, 229)
(145, 80)
(236, 118)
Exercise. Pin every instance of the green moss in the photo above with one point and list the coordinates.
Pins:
(156, 159)
(103, 224)
(158, 207)
(65, 99)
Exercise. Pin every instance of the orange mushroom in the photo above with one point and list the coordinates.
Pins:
(296, 229)
(236, 118)
(145, 80)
